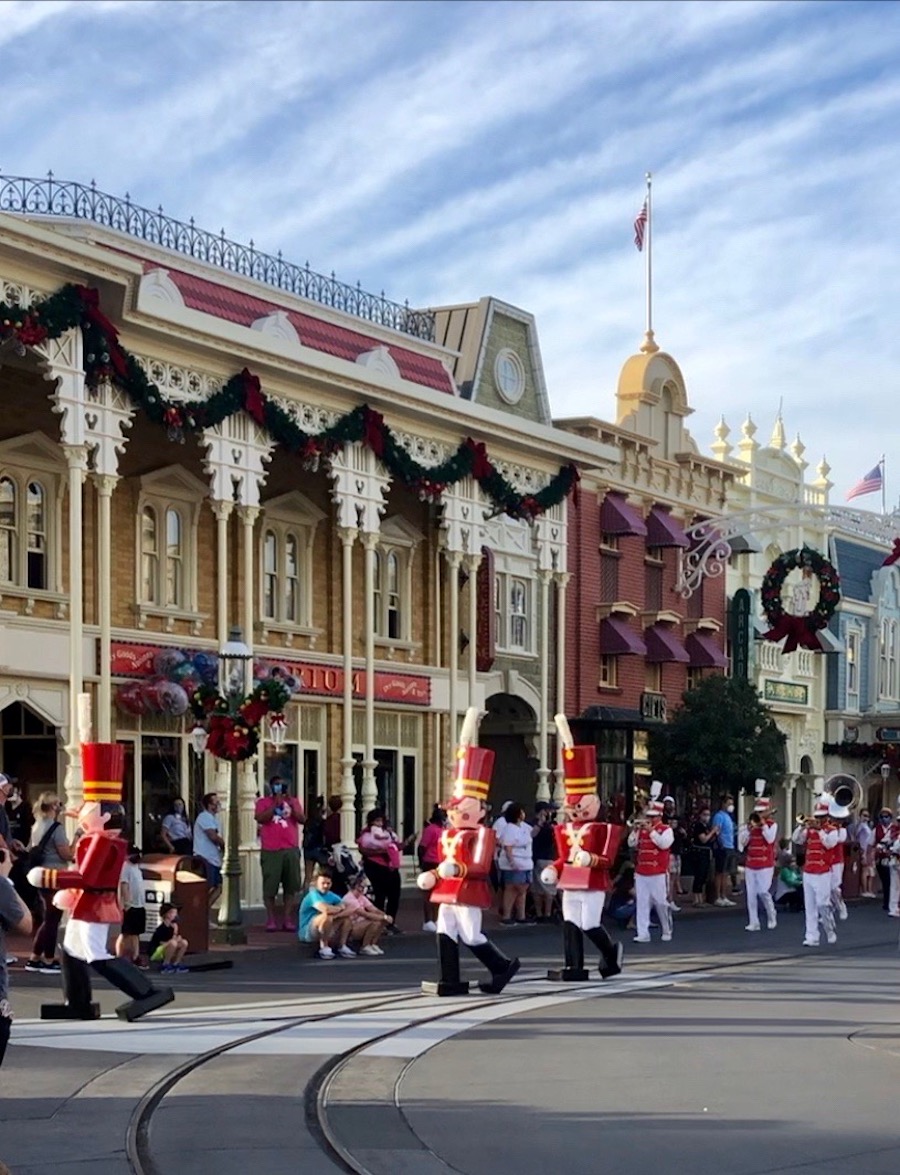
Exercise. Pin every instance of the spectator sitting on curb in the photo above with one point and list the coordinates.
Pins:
(166, 945)
(367, 922)
(325, 919)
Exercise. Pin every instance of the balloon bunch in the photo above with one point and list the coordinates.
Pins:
(176, 675)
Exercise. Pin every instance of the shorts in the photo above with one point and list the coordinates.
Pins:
(515, 876)
(675, 865)
(726, 860)
(212, 873)
(134, 921)
(159, 955)
(280, 869)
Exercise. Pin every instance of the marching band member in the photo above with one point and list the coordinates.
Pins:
(819, 836)
(460, 885)
(90, 892)
(653, 841)
(759, 837)
(585, 853)
(838, 813)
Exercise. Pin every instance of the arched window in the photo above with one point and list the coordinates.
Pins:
(149, 556)
(270, 576)
(393, 595)
(36, 531)
(291, 578)
(8, 535)
(518, 614)
(174, 559)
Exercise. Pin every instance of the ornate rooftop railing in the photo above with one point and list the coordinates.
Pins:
(66, 198)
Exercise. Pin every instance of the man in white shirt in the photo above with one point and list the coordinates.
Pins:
(208, 844)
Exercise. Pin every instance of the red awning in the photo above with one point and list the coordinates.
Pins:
(664, 531)
(618, 639)
(663, 645)
(704, 652)
(617, 517)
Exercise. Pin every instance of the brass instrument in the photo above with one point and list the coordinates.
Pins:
(845, 793)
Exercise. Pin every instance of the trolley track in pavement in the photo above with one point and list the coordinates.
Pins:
(421, 1014)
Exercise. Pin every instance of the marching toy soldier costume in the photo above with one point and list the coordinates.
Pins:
(653, 840)
(585, 853)
(819, 837)
(759, 839)
(460, 885)
(90, 893)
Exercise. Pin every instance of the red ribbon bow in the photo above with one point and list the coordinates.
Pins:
(894, 555)
(481, 463)
(373, 423)
(90, 300)
(254, 401)
(798, 632)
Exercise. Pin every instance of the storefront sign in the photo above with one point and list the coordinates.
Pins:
(740, 634)
(653, 707)
(137, 660)
(785, 691)
(887, 734)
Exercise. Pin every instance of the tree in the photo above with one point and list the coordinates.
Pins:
(722, 738)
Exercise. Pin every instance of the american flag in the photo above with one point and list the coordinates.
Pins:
(870, 484)
(640, 227)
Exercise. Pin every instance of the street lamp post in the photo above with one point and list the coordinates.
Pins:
(233, 658)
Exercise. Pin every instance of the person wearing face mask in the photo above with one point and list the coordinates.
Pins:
(724, 850)
(176, 830)
(703, 840)
(280, 819)
(864, 835)
(886, 832)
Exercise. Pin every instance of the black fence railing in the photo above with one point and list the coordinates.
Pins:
(67, 198)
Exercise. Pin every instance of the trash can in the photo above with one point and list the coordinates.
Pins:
(170, 878)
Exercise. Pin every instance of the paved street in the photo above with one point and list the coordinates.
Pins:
(772, 1056)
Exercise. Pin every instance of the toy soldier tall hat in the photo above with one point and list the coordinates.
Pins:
(103, 768)
(763, 803)
(579, 763)
(474, 764)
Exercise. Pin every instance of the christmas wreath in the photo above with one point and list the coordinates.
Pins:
(799, 630)
(233, 726)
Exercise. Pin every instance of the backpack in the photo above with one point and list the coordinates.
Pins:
(36, 855)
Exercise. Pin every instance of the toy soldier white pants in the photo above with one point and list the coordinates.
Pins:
(86, 940)
(758, 883)
(817, 904)
(461, 923)
(584, 907)
(650, 891)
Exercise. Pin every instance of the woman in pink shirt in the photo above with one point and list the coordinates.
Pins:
(367, 922)
(429, 852)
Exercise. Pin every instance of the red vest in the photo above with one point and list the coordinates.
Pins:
(818, 858)
(601, 840)
(473, 849)
(760, 854)
(650, 859)
(837, 854)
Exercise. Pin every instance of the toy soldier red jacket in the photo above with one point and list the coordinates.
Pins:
(472, 849)
(99, 858)
(601, 841)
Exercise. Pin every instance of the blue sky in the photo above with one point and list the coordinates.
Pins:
(442, 151)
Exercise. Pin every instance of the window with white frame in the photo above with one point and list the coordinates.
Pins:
(392, 587)
(609, 671)
(30, 501)
(887, 678)
(287, 540)
(853, 648)
(168, 513)
(513, 609)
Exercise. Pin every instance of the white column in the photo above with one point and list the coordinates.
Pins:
(348, 787)
(562, 579)
(454, 558)
(248, 777)
(222, 511)
(472, 564)
(76, 459)
(369, 793)
(105, 486)
(543, 784)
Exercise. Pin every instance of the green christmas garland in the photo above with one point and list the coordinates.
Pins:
(106, 358)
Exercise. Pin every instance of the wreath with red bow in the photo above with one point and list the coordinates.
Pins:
(234, 730)
(800, 631)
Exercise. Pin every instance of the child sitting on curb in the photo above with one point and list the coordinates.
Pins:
(367, 922)
(167, 946)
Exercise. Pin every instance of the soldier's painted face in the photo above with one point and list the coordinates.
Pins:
(586, 807)
(466, 813)
(90, 817)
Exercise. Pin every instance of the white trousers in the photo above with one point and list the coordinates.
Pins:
(894, 892)
(584, 907)
(86, 940)
(650, 891)
(461, 923)
(758, 883)
(817, 904)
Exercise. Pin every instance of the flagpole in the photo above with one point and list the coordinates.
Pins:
(649, 260)
(883, 488)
